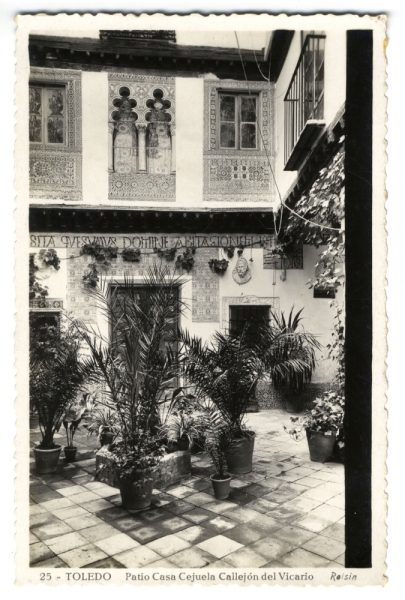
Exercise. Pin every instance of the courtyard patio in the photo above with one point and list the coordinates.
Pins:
(287, 512)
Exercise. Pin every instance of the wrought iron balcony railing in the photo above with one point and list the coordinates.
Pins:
(304, 101)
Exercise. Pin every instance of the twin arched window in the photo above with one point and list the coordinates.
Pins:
(141, 147)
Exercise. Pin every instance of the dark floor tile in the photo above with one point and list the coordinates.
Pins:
(241, 496)
(244, 534)
(105, 563)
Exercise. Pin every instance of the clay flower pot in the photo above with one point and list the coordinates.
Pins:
(221, 487)
(239, 455)
(46, 460)
(70, 453)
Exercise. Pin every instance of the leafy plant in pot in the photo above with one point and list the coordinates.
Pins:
(104, 423)
(180, 426)
(226, 372)
(71, 420)
(289, 354)
(321, 425)
(57, 374)
(218, 437)
(136, 367)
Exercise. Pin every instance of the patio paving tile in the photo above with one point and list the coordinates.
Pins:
(106, 563)
(163, 563)
(304, 505)
(83, 497)
(174, 524)
(200, 499)
(326, 547)
(245, 534)
(97, 505)
(180, 507)
(192, 558)
(98, 532)
(218, 564)
(196, 534)
(338, 501)
(335, 531)
(241, 514)
(146, 534)
(293, 535)
(70, 511)
(264, 523)
(63, 543)
(199, 485)
(198, 515)
(83, 521)
(315, 524)
(340, 560)
(219, 546)
(246, 558)
(112, 514)
(220, 523)
(56, 504)
(302, 558)
(40, 551)
(52, 563)
(52, 529)
(71, 490)
(180, 491)
(221, 506)
(168, 545)
(270, 548)
(116, 543)
(42, 519)
(262, 505)
(137, 557)
(331, 513)
(82, 556)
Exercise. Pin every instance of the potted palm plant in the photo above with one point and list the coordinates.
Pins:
(57, 374)
(322, 425)
(289, 354)
(225, 371)
(218, 437)
(136, 366)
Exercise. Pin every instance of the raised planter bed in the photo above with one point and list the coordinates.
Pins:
(173, 468)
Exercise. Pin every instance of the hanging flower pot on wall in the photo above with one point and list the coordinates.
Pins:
(185, 261)
(218, 266)
(131, 254)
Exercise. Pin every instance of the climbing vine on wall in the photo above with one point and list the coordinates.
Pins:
(323, 204)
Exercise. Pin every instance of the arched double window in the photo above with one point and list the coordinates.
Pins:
(141, 146)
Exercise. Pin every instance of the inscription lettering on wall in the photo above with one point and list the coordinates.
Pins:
(150, 241)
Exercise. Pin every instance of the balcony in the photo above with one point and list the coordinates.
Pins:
(304, 103)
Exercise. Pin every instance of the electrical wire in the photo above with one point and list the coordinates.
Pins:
(283, 204)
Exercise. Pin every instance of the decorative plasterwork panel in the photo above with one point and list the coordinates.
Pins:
(228, 301)
(55, 169)
(205, 286)
(55, 175)
(142, 186)
(141, 88)
(238, 175)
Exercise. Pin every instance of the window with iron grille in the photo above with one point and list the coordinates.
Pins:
(304, 100)
(238, 121)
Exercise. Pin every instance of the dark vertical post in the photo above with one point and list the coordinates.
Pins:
(358, 170)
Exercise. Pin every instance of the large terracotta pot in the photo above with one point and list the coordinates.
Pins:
(221, 487)
(46, 461)
(137, 494)
(321, 445)
(239, 455)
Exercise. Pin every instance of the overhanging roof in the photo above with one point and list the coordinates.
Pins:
(49, 219)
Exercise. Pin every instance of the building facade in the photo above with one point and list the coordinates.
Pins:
(147, 150)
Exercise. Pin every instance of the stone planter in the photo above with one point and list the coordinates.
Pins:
(173, 468)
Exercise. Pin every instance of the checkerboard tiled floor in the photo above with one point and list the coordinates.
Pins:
(288, 512)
